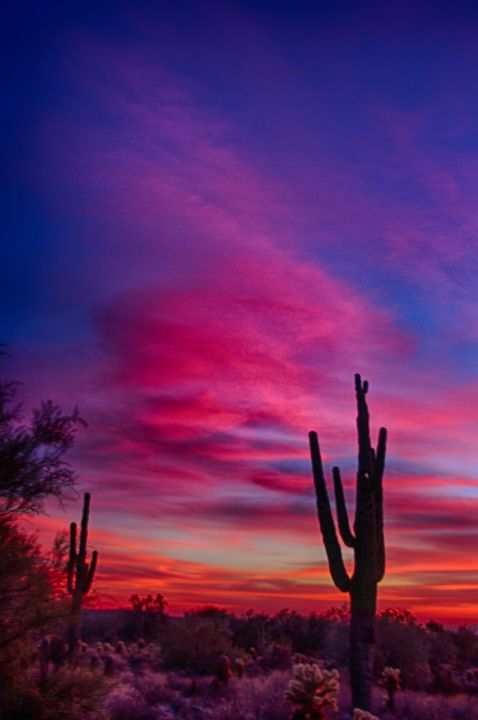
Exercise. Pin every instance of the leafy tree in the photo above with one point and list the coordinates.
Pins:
(403, 643)
(26, 589)
(32, 468)
(466, 642)
(30, 609)
(150, 612)
(251, 630)
(32, 457)
(32, 586)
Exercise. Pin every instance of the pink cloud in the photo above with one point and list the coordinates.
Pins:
(217, 341)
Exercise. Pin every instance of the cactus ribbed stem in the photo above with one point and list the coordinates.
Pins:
(80, 574)
(367, 541)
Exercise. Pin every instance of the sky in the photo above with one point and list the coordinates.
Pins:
(214, 214)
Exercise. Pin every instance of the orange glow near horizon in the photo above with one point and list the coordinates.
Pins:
(204, 248)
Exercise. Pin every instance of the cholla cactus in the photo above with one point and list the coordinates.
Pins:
(390, 680)
(363, 715)
(311, 691)
(300, 658)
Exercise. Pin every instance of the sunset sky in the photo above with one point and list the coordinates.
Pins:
(215, 213)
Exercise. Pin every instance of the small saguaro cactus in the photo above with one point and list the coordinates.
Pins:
(366, 540)
(223, 669)
(240, 666)
(80, 574)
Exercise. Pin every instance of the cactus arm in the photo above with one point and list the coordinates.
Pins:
(84, 525)
(363, 428)
(91, 571)
(381, 448)
(342, 515)
(326, 521)
(378, 488)
(79, 573)
(71, 559)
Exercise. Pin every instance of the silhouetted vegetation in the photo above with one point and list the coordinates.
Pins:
(149, 614)
(80, 574)
(32, 458)
(209, 664)
(367, 541)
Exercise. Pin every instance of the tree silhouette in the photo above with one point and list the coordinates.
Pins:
(150, 611)
(32, 462)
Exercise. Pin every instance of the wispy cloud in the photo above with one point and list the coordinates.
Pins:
(217, 302)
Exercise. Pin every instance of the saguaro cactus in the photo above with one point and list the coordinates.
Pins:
(367, 541)
(80, 574)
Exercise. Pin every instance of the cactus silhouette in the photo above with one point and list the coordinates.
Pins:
(367, 541)
(80, 574)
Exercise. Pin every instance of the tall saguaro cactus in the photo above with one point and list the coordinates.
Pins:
(367, 541)
(80, 574)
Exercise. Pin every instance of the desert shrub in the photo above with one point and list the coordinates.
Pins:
(152, 696)
(27, 597)
(447, 679)
(442, 648)
(304, 634)
(153, 687)
(29, 610)
(337, 643)
(317, 626)
(403, 643)
(251, 630)
(19, 693)
(194, 644)
(125, 702)
(390, 681)
(106, 625)
(75, 693)
(466, 643)
(450, 680)
(141, 655)
(149, 615)
(289, 626)
(259, 698)
(423, 706)
(276, 656)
